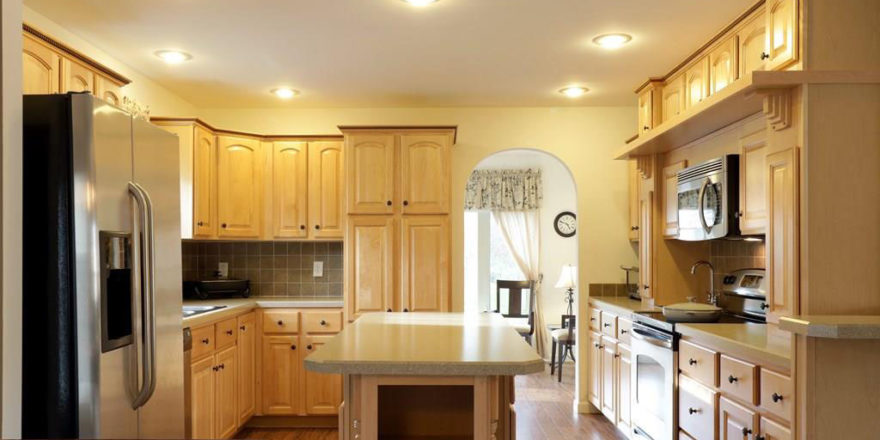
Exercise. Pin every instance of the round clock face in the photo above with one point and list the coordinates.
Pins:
(565, 224)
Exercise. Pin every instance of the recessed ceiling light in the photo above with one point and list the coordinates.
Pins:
(173, 56)
(420, 2)
(574, 91)
(285, 92)
(612, 41)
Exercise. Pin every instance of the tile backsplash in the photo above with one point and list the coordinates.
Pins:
(729, 255)
(276, 269)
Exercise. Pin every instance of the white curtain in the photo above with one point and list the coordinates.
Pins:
(522, 233)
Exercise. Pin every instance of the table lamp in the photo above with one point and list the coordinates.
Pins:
(568, 281)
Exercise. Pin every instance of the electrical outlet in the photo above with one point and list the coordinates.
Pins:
(318, 269)
(223, 269)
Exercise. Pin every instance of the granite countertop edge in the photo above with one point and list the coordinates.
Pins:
(426, 368)
(235, 306)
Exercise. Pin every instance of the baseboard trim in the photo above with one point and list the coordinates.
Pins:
(293, 422)
(585, 407)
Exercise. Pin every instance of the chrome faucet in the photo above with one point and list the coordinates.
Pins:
(713, 297)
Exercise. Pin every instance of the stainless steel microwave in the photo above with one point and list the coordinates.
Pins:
(708, 200)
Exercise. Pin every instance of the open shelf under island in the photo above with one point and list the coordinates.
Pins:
(427, 375)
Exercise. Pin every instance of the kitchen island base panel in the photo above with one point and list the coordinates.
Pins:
(386, 407)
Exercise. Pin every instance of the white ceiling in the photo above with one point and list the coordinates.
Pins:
(384, 53)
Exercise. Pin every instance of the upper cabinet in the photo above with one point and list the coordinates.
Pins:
(204, 183)
(239, 186)
(697, 82)
(722, 65)
(289, 188)
(424, 244)
(646, 111)
(41, 67)
(76, 77)
(673, 97)
(753, 184)
(634, 195)
(371, 173)
(783, 233)
(425, 173)
(782, 33)
(752, 44)
(670, 199)
(326, 189)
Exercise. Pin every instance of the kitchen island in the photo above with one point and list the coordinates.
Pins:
(427, 375)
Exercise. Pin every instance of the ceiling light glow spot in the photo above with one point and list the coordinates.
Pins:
(173, 56)
(574, 91)
(285, 92)
(612, 41)
(420, 3)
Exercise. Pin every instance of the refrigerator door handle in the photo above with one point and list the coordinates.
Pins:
(148, 360)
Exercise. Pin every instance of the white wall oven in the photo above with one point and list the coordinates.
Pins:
(708, 199)
(654, 372)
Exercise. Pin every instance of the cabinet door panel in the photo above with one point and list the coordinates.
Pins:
(239, 183)
(203, 395)
(634, 194)
(323, 391)
(782, 33)
(281, 375)
(76, 77)
(752, 49)
(595, 391)
(425, 173)
(371, 173)
(108, 90)
(326, 190)
(369, 264)
(673, 97)
(771, 430)
(782, 233)
(670, 198)
(646, 111)
(424, 268)
(753, 184)
(226, 379)
(734, 421)
(204, 183)
(289, 190)
(624, 388)
(247, 367)
(609, 378)
(696, 83)
(40, 68)
(722, 66)
(646, 244)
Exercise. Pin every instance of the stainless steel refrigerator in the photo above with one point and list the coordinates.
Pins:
(103, 353)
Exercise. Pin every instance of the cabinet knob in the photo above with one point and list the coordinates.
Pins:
(201, 223)
(405, 203)
(317, 226)
(302, 227)
(293, 347)
(732, 379)
(388, 203)
(616, 355)
(765, 306)
(633, 228)
(596, 345)
(406, 310)
(746, 432)
(215, 368)
(760, 437)
(388, 310)
(601, 346)
(776, 397)
(693, 410)
(206, 341)
(623, 332)
(242, 328)
(646, 128)
(606, 325)
(223, 226)
(692, 361)
(229, 332)
(323, 322)
(646, 287)
(738, 214)
(765, 55)
(221, 366)
(309, 347)
(592, 319)
(280, 323)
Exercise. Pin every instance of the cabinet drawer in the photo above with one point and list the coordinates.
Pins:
(280, 321)
(595, 315)
(326, 321)
(225, 333)
(624, 330)
(777, 396)
(699, 363)
(696, 409)
(202, 341)
(609, 324)
(739, 378)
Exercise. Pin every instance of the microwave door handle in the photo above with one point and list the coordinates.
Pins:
(701, 210)
(148, 360)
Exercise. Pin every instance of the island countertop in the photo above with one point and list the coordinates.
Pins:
(429, 344)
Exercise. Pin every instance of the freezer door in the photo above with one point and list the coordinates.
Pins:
(156, 170)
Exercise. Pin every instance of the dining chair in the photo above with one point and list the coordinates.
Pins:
(564, 339)
(524, 323)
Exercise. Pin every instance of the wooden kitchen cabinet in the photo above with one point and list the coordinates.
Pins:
(239, 186)
(370, 165)
(722, 65)
(752, 44)
(281, 375)
(753, 184)
(610, 375)
(646, 243)
(782, 233)
(670, 198)
(735, 422)
(697, 409)
(634, 193)
(247, 367)
(648, 114)
(323, 392)
(369, 259)
(624, 387)
(771, 430)
(781, 37)
(203, 395)
(697, 82)
(673, 97)
(289, 189)
(76, 77)
(225, 397)
(425, 173)
(326, 188)
(204, 183)
(108, 90)
(595, 366)
(424, 271)
(40, 67)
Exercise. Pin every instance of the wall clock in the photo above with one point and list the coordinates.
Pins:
(565, 224)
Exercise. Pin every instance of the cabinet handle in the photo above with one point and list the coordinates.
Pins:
(765, 55)
(293, 347)
(215, 368)
(692, 361)
(406, 310)
(633, 228)
(601, 346)
(242, 328)
(776, 397)
(201, 223)
(317, 226)
(388, 203)
(280, 323)
(323, 322)
(229, 332)
(765, 306)
(206, 341)
(223, 226)
(302, 227)
(309, 347)
(646, 128)
(606, 325)
(646, 287)
(221, 366)
(596, 345)
(746, 432)
(389, 310)
(694, 411)
(732, 379)
(405, 203)
(592, 319)
(760, 437)
(623, 332)
(616, 355)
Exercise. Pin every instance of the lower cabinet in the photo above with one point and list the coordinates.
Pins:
(610, 369)
(247, 367)
(624, 387)
(736, 421)
(213, 383)
(281, 375)
(203, 392)
(610, 375)
(595, 391)
(323, 391)
(771, 430)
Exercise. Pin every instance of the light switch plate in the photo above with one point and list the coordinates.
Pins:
(318, 269)
(223, 268)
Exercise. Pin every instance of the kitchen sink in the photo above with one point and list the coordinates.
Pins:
(196, 310)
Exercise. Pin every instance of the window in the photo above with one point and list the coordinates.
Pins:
(502, 266)
(487, 259)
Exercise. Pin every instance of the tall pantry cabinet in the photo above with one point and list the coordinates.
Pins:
(397, 236)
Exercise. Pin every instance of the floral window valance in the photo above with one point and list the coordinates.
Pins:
(504, 190)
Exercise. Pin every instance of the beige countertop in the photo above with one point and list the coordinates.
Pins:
(235, 306)
(761, 343)
(622, 305)
(833, 326)
(433, 344)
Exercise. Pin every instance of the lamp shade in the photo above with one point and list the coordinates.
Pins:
(568, 277)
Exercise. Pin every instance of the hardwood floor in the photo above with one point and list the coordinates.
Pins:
(544, 411)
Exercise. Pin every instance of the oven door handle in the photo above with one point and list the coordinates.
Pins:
(642, 335)
(701, 208)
